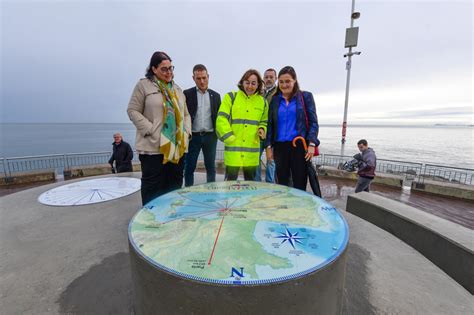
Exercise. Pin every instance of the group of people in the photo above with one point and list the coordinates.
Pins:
(173, 126)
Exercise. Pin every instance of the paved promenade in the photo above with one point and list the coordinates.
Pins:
(75, 260)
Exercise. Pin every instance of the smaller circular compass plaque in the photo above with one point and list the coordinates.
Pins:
(90, 191)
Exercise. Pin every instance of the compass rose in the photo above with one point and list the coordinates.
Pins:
(291, 238)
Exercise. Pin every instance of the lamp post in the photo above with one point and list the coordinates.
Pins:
(352, 34)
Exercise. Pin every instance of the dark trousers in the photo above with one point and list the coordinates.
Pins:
(290, 161)
(159, 178)
(122, 168)
(363, 184)
(232, 172)
(207, 142)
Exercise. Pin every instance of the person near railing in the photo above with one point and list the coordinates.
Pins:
(158, 110)
(203, 105)
(366, 164)
(269, 79)
(122, 154)
(292, 113)
(241, 123)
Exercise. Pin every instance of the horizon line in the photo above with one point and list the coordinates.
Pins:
(322, 124)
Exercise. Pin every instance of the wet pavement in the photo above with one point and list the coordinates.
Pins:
(10, 189)
(455, 210)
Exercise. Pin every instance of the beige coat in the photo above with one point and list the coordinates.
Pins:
(145, 110)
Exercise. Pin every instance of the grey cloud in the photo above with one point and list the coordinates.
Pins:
(78, 61)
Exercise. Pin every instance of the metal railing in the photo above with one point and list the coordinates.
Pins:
(410, 171)
(331, 160)
(444, 173)
(56, 162)
(87, 158)
(60, 162)
(32, 163)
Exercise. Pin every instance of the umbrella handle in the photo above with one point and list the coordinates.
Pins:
(302, 140)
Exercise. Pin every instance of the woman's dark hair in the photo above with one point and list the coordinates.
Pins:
(156, 59)
(291, 71)
(246, 76)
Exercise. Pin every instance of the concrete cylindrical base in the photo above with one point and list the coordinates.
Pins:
(157, 291)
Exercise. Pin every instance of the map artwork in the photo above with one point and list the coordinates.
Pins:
(239, 233)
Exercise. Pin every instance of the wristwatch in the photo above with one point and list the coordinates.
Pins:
(312, 144)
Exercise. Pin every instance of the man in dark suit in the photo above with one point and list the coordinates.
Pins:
(203, 105)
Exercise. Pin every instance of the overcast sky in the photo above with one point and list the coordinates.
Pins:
(78, 61)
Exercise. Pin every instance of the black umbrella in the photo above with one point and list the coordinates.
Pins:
(312, 174)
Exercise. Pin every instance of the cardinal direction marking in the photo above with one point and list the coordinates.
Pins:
(291, 238)
(239, 274)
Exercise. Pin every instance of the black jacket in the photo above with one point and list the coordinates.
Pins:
(191, 102)
(306, 121)
(122, 155)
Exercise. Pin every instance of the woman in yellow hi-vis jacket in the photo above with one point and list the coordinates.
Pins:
(241, 123)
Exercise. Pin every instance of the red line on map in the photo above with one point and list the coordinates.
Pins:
(217, 237)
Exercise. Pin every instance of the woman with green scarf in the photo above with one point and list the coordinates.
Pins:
(158, 110)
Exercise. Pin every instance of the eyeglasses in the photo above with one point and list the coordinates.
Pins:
(167, 69)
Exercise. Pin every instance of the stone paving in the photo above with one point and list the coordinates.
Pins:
(57, 260)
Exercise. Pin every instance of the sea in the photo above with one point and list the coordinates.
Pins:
(437, 144)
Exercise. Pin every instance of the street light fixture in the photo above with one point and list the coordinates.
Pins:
(352, 35)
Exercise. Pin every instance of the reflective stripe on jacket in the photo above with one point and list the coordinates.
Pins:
(237, 126)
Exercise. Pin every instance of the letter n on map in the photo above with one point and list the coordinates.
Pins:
(239, 274)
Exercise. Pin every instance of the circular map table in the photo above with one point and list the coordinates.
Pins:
(90, 191)
(233, 246)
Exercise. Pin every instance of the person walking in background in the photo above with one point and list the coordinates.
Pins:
(269, 79)
(122, 154)
(292, 113)
(366, 164)
(241, 123)
(203, 105)
(158, 110)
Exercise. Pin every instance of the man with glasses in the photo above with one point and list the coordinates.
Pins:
(203, 105)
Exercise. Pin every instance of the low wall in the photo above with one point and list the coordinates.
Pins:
(94, 170)
(84, 171)
(445, 189)
(28, 177)
(448, 245)
(381, 178)
(137, 167)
